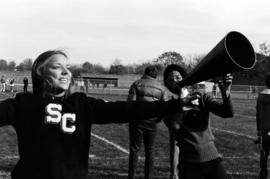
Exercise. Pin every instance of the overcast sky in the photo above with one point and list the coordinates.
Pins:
(100, 31)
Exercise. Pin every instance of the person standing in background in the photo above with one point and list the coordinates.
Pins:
(214, 90)
(86, 83)
(263, 126)
(11, 84)
(145, 89)
(3, 84)
(25, 84)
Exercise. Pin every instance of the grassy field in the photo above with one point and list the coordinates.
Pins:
(109, 146)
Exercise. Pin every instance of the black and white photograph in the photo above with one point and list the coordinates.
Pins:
(134, 89)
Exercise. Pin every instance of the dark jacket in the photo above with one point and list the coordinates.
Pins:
(54, 133)
(195, 137)
(263, 112)
(146, 89)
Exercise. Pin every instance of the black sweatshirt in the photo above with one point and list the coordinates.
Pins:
(54, 133)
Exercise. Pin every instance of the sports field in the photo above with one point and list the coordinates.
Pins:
(109, 146)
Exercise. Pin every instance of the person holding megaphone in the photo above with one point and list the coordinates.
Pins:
(198, 156)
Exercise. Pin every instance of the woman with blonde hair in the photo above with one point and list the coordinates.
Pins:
(53, 124)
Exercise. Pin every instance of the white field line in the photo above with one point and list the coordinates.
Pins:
(235, 133)
(246, 116)
(242, 173)
(111, 143)
(9, 157)
(114, 144)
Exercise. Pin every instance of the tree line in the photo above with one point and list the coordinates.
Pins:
(87, 67)
(254, 76)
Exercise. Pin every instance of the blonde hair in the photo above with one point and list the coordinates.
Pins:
(41, 85)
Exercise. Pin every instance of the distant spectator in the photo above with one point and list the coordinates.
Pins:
(81, 84)
(254, 92)
(263, 126)
(11, 84)
(93, 84)
(3, 84)
(25, 84)
(214, 90)
(86, 84)
(104, 85)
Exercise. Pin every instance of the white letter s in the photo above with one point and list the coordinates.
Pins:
(54, 113)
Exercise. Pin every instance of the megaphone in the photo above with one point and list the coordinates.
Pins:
(233, 53)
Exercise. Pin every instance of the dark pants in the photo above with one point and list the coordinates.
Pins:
(265, 147)
(137, 133)
(205, 170)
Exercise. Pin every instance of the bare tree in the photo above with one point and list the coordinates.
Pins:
(3, 64)
(25, 65)
(169, 58)
(11, 65)
(87, 67)
(264, 49)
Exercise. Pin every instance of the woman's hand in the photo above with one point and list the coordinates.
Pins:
(225, 82)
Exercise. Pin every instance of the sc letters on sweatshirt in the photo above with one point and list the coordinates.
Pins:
(54, 116)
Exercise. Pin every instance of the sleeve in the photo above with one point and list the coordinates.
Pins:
(222, 108)
(132, 93)
(7, 112)
(123, 112)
